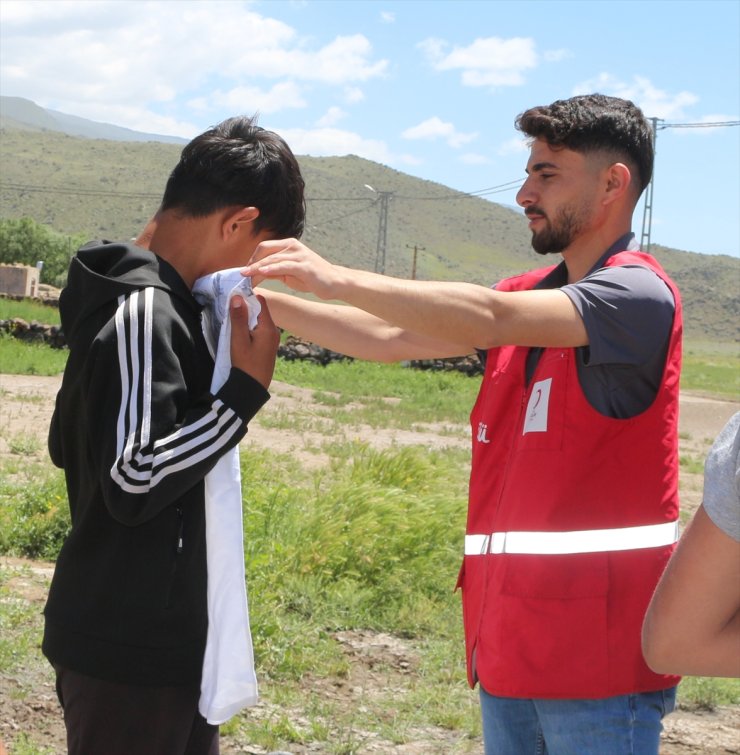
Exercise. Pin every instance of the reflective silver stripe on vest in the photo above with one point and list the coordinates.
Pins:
(578, 541)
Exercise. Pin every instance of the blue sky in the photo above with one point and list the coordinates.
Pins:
(428, 87)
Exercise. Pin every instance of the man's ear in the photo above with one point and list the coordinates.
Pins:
(618, 181)
(234, 222)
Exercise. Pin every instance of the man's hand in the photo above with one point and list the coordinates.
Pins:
(297, 266)
(253, 351)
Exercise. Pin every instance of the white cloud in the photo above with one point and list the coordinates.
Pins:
(433, 48)
(387, 17)
(333, 115)
(138, 59)
(489, 62)
(473, 158)
(513, 146)
(343, 60)
(654, 102)
(555, 56)
(332, 141)
(435, 128)
(353, 95)
(249, 99)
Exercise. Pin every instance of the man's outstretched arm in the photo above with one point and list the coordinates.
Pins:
(462, 313)
(354, 332)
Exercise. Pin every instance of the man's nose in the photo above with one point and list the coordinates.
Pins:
(524, 196)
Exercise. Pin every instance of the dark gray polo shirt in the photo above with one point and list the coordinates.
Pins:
(628, 314)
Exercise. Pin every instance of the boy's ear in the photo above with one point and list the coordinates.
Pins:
(144, 239)
(235, 221)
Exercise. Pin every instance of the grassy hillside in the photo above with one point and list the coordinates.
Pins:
(109, 189)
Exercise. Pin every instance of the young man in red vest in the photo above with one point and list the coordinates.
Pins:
(574, 487)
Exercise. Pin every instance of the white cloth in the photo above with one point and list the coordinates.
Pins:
(229, 682)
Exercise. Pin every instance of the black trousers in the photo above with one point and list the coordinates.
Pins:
(108, 718)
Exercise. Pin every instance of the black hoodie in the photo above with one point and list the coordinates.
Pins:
(136, 430)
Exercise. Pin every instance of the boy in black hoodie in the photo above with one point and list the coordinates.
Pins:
(136, 430)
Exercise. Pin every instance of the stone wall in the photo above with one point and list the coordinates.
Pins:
(34, 332)
(291, 349)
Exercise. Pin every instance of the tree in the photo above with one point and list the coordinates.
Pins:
(27, 242)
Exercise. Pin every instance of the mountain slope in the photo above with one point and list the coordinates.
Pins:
(109, 189)
(17, 112)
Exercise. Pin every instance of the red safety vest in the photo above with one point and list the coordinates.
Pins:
(572, 518)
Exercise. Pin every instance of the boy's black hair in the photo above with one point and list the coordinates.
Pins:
(238, 163)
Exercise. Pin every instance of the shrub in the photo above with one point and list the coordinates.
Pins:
(34, 518)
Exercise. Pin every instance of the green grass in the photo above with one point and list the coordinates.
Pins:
(708, 692)
(20, 358)
(715, 374)
(29, 311)
(18, 633)
(370, 542)
(34, 515)
(416, 395)
(711, 368)
(24, 444)
(691, 463)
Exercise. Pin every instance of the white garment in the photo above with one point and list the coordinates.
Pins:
(229, 682)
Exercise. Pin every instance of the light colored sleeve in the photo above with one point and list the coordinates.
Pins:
(722, 479)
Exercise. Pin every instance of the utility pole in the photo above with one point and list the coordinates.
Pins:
(383, 197)
(647, 215)
(413, 264)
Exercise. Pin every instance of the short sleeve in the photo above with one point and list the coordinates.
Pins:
(627, 311)
(722, 479)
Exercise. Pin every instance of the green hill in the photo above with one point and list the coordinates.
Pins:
(109, 189)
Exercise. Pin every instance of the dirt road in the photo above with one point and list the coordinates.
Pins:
(25, 408)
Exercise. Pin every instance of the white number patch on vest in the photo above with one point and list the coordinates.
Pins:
(535, 420)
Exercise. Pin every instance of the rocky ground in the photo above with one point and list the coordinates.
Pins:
(376, 660)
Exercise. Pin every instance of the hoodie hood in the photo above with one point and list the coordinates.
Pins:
(102, 271)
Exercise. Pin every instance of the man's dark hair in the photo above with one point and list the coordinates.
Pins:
(595, 123)
(238, 163)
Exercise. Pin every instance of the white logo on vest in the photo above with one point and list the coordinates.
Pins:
(535, 420)
(482, 430)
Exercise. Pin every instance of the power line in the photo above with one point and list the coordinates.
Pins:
(66, 190)
(384, 197)
(467, 194)
(78, 192)
(341, 217)
(716, 124)
(647, 214)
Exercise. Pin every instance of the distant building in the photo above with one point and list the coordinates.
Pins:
(19, 280)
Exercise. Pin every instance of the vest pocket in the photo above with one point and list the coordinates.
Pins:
(544, 412)
(575, 575)
(553, 618)
(554, 648)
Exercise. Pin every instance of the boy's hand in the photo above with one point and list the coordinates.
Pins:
(253, 351)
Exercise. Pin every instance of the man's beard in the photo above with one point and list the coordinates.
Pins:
(559, 234)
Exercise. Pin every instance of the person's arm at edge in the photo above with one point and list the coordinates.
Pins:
(463, 313)
(353, 332)
(692, 625)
